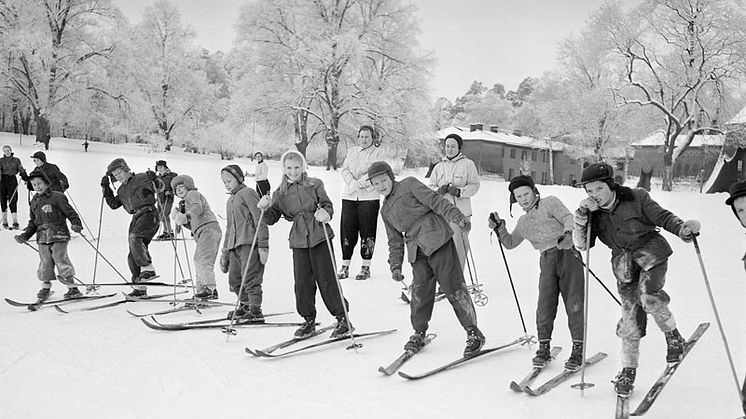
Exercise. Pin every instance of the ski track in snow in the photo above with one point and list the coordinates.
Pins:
(105, 363)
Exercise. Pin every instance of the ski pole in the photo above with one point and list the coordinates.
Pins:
(582, 385)
(512, 286)
(354, 345)
(15, 192)
(37, 251)
(611, 294)
(230, 330)
(186, 253)
(717, 318)
(98, 242)
(72, 201)
(104, 258)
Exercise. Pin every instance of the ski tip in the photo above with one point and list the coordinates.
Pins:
(405, 375)
(250, 351)
(515, 387)
(530, 391)
(383, 371)
(60, 309)
(258, 352)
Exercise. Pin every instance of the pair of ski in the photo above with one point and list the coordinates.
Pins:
(622, 400)
(268, 352)
(525, 384)
(46, 302)
(215, 323)
(148, 283)
(127, 299)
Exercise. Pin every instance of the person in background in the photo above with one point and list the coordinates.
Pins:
(261, 175)
(165, 199)
(57, 179)
(10, 167)
(360, 203)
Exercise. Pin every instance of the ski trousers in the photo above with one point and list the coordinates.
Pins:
(238, 257)
(313, 268)
(561, 273)
(359, 218)
(207, 239)
(53, 255)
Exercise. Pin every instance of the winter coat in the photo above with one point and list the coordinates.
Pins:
(461, 173)
(417, 216)
(197, 210)
(298, 205)
(47, 217)
(167, 192)
(135, 194)
(11, 166)
(631, 228)
(355, 169)
(542, 225)
(261, 171)
(242, 220)
(58, 181)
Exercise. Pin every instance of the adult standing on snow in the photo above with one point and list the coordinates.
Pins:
(137, 195)
(261, 175)
(360, 203)
(627, 220)
(548, 225)
(57, 179)
(10, 166)
(456, 178)
(165, 199)
(417, 217)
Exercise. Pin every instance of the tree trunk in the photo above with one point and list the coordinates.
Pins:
(300, 125)
(668, 177)
(26, 123)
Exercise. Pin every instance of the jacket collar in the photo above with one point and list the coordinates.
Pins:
(456, 158)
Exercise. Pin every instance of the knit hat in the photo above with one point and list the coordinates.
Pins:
(185, 180)
(598, 172)
(161, 163)
(40, 155)
(458, 139)
(235, 171)
(38, 173)
(115, 164)
(379, 168)
(296, 155)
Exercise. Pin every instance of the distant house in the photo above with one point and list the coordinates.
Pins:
(507, 153)
(701, 155)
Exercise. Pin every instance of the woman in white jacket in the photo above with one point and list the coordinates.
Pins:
(360, 203)
(456, 178)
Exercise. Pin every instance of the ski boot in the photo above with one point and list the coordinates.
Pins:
(576, 357)
(240, 312)
(543, 354)
(675, 343)
(15, 226)
(255, 314)
(137, 293)
(364, 273)
(72, 292)
(415, 343)
(344, 272)
(308, 327)
(624, 381)
(474, 341)
(341, 328)
(5, 226)
(44, 293)
(206, 294)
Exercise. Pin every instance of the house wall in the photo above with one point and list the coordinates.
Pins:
(689, 163)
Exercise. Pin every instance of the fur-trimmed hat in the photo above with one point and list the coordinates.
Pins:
(517, 182)
(295, 155)
(39, 155)
(458, 139)
(235, 171)
(161, 163)
(185, 180)
(38, 173)
(736, 190)
(597, 172)
(379, 168)
(115, 164)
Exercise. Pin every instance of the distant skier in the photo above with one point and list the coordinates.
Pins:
(10, 167)
(548, 225)
(56, 177)
(417, 218)
(85, 145)
(48, 215)
(242, 222)
(302, 200)
(165, 200)
(627, 220)
(260, 175)
(137, 195)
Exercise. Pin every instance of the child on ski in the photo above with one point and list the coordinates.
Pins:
(165, 199)
(195, 214)
(261, 173)
(302, 200)
(548, 225)
(137, 195)
(57, 180)
(417, 217)
(242, 223)
(48, 213)
(10, 167)
(627, 220)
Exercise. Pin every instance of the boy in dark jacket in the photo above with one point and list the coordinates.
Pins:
(165, 199)
(57, 179)
(627, 221)
(303, 201)
(137, 195)
(48, 213)
(10, 167)
(417, 217)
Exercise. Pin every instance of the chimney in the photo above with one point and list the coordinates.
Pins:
(494, 128)
(517, 132)
(475, 127)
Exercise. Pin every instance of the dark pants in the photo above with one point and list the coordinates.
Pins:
(313, 268)
(142, 228)
(9, 193)
(262, 187)
(252, 289)
(442, 267)
(561, 274)
(359, 218)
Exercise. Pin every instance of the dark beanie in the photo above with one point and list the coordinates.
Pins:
(597, 172)
(378, 168)
(235, 171)
(40, 155)
(161, 163)
(736, 190)
(458, 139)
(517, 182)
(115, 164)
(38, 173)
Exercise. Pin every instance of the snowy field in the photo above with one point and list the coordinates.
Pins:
(106, 363)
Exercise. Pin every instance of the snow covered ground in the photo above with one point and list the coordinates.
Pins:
(108, 364)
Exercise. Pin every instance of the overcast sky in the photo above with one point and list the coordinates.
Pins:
(493, 41)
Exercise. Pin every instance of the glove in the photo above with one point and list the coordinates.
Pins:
(465, 225)
(105, 181)
(181, 219)
(588, 205)
(263, 255)
(20, 239)
(565, 241)
(396, 275)
(689, 230)
(169, 195)
(322, 216)
(151, 175)
(224, 261)
(364, 184)
(454, 191)
(263, 203)
(76, 228)
(494, 221)
(443, 189)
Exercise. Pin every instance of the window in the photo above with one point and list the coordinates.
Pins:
(544, 157)
(533, 156)
(523, 155)
(512, 153)
(503, 152)
(510, 173)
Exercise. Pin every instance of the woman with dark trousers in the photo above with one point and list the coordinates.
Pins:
(10, 166)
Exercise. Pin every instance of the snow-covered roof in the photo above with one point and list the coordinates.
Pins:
(501, 138)
(740, 118)
(657, 138)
